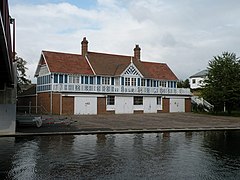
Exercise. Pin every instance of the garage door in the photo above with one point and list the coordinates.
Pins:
(177, 105)
(150, 104)
(124, 105)
(85, 105)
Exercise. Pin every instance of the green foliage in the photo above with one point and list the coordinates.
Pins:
(223, 82)
(183, 84)
(21, 69)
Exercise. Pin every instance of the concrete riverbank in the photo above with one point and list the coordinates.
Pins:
(132, 123)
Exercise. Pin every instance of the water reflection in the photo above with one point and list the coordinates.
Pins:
(190, 155)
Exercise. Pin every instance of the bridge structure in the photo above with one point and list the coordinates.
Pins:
(8, 75)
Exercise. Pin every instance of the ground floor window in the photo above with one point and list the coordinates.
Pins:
(110, 100)
(138, 100)
(159, 100)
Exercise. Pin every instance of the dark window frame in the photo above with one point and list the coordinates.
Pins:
(138, 100)
(110, 100)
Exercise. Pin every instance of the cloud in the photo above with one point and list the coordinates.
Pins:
(184, 34)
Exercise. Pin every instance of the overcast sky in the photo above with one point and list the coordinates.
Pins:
(185, 34)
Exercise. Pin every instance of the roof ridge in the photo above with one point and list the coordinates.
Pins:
(61, 52)
(110, 54)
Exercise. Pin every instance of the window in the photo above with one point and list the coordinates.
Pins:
(162, 83)
(65, 79)
(122, 81)
(193, 81)
(76, 79)
(82, 79)
(142, 82)
(55, 78)
(134, 83)
(70, 79)
(110, 100)
(138, 81)
(148, 82)
(106, 80)
(86, 79)
(127, 81)
(138, 100)
(60, 78)
(159, 100)
(154, 83)
(91, 80)
(98, 80)
(112, 80)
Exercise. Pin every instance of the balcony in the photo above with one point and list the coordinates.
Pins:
(111, 89)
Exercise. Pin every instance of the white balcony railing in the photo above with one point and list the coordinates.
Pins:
(119, 89)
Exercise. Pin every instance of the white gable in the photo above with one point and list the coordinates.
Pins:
(42, 68)
(132, 71)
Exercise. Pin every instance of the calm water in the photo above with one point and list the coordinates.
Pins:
(196, 155)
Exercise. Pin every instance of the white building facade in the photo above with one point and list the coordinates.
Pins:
(96, 83)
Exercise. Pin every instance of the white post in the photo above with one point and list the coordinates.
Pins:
(51, 94)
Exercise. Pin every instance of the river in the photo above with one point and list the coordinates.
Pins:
(183, 155)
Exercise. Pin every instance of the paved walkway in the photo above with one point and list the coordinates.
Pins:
(132, 123)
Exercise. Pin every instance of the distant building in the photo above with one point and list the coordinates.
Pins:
(96, 83)
(197, 80)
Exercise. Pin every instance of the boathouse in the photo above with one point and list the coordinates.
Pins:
(96, 83)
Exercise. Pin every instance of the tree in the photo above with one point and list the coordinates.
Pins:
(21, 69)
(183, 84)
(222, 85)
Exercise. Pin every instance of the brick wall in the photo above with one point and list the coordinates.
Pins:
(67, 105)
(43, 99)
(188, 105)
(56, 104)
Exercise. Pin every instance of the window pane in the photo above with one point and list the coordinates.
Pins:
(98, 80)
(138, 100)
(142, 82)
(122, 81)
(159, 100)
(55, 78)
(66, 80)
(133, 81)
(86, 79)
(91, 80)
(139, 81)
(148, 82)
(112, 81)
(110, 100)
(60, 78)
(127, 81)
(75, 79)
(70, 79)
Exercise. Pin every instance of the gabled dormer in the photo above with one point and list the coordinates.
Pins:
(42, 68)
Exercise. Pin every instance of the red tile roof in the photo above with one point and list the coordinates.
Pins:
(105, 64)
(159, 71)
(108, 64)
(67, 63)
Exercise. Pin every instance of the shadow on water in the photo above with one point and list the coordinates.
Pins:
(190, 155)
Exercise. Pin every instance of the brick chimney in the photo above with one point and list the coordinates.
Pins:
(137, 52)
(84, 46)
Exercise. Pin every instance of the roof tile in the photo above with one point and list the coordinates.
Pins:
(67, 63)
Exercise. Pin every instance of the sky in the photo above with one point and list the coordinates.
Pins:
(185, 34)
